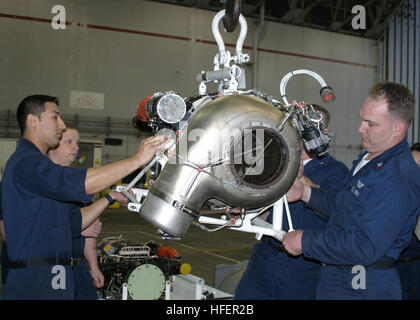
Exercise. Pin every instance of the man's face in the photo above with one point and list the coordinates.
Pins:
(51, 126)
(377, 126)
(68, 149)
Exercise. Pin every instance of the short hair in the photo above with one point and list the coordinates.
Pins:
(35, 105)
(399, 98)
(71, 126)
(326, 115)
(415, 147)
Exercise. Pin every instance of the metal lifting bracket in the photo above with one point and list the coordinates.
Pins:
(226, 69)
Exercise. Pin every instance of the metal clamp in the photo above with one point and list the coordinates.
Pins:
(223, 55)
(226, 68)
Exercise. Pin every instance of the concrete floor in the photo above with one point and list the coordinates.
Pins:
(201, 249)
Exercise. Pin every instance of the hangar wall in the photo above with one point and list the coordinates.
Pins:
(399, 56)
(129, 49)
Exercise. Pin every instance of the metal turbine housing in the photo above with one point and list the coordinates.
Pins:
(231, 151)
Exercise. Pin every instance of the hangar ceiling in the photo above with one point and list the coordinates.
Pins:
(331, 15)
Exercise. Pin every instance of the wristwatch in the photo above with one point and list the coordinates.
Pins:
(109, 198)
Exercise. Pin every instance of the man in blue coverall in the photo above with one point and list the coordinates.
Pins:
(91, 232)
(272, 273)
(373, 216)
(408, 264)
(34, 191)
(86, 273)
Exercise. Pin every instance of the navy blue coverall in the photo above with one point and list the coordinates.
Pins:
(271, 272)
(3, 258)
(84, 289)
(409, 270)
(39, 224)
(83, 282)
(372, 219)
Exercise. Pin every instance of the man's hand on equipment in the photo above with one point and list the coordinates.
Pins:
(299, 191)
(148, 148)
(292, 242)
(118, 196)
(295, 192)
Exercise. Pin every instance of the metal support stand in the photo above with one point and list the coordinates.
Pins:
(248, 223)
(251, 223)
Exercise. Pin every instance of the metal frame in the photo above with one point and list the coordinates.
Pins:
(247, 223)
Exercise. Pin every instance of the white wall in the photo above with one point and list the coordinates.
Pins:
(126, 64)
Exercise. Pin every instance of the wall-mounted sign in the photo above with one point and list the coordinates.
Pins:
(87, 100)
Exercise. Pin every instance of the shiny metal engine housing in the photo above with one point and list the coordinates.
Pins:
(231, 151)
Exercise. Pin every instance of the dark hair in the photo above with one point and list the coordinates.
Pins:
(415, 147)
(325, 113)
(32, 105)
(399, 98)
